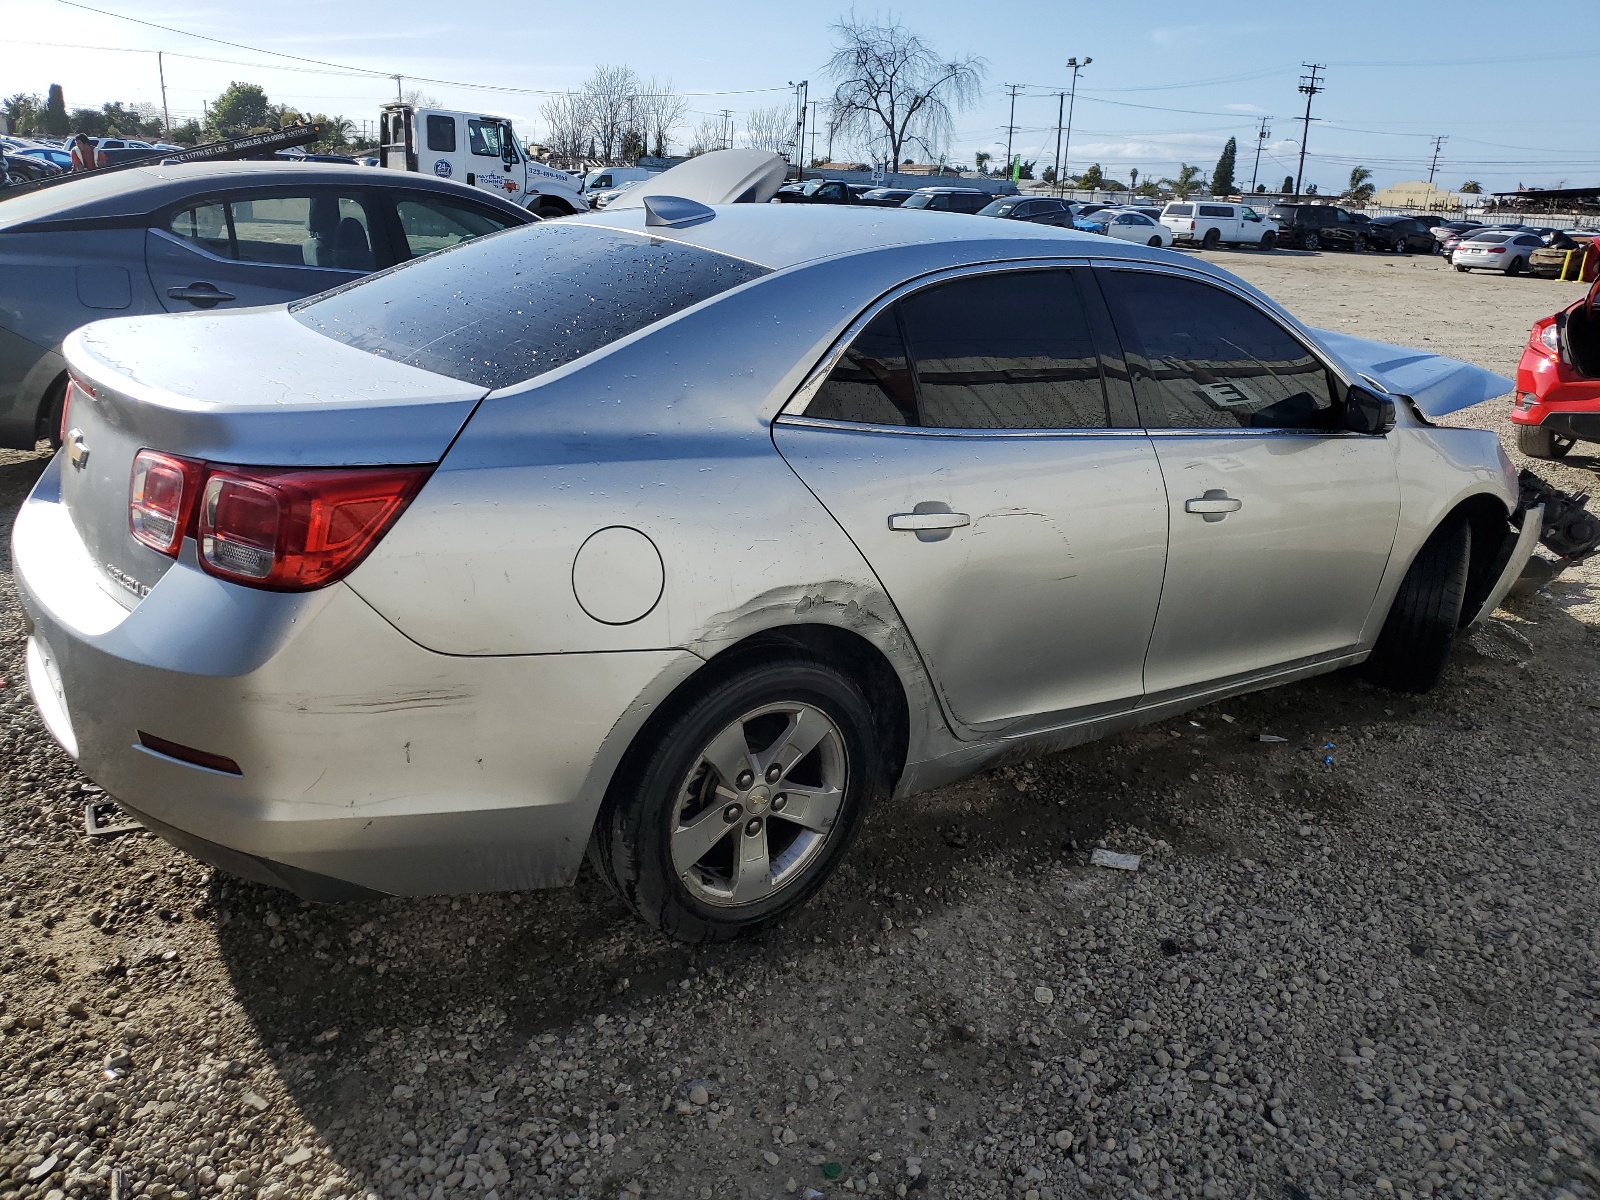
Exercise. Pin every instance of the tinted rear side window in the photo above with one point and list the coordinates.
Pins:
(1180, 210)
(1006, 351)
(504, 308)
(871, 384)
(442, 134)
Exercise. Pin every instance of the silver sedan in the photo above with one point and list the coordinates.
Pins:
(681, 535)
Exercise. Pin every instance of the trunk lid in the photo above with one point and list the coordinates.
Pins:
(251, 388)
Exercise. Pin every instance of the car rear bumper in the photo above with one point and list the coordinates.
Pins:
(365, 763)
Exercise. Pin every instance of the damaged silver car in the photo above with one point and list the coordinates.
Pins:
(680, 535)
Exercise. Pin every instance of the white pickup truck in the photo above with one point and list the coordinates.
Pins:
(479, 151)
(1208, 224)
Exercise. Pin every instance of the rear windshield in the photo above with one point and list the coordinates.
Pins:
(1179, 210)
(1494, 239)
(501, 309)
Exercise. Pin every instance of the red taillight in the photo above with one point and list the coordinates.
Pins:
(161, 499)
(287, 530)
(1191, 225)
(73, 385)
(296, 530)
(1497, 249)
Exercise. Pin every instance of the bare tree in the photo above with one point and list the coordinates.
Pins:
(567, 118)
(611, 95)
(893, 90)
(661, 111)
(769, 128)
(710, 134)
(418, 98)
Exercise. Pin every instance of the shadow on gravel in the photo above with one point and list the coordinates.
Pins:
(549, 961)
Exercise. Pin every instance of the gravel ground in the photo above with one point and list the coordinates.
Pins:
(1360, 962)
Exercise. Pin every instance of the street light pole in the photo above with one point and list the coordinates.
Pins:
(1076, 67)
(1055, 171)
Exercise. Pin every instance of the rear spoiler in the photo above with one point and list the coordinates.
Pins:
(239, 147)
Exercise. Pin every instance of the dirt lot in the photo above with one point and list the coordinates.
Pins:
(1377, 975)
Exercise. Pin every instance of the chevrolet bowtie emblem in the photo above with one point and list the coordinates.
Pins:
(77, 449)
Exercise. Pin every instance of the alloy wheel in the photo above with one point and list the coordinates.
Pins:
(759, 804)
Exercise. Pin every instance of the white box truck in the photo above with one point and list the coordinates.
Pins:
(477, 150)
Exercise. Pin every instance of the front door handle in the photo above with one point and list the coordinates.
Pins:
(919, 522)
(203, 295)
(1214, 505)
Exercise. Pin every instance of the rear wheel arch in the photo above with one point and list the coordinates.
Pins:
(48, 422)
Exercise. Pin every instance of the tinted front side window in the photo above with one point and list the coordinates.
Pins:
(442, 134)
(483, 137)
(503, 309)
(1212, 360)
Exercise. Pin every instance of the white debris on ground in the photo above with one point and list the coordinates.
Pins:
(1372, 980)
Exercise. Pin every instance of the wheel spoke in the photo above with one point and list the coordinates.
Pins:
(730, 754)
(806, 730)
(692, 842)
(753, 875)
(813, 808)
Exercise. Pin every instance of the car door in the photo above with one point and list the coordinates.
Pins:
(1281, 522)
(250, 248)
(964, 442)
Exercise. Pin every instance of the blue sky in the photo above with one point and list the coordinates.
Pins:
(1170, 81)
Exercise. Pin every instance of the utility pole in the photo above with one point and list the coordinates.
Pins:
(1262, 134)
(813, 155)
(398, 95)
(727, 128)
(1310, 85)
(1055, 174)
(1076, 67)
(1438, 144)
(1011, 125)
(802, 98)
(166, 120)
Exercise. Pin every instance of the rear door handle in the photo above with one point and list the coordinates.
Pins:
(1214, 505)
(203, 294)
(916, 522)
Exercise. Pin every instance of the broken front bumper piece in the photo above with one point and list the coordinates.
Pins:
(1566, 528)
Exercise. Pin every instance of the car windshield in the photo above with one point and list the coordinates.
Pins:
(507, 307)
(918, 200)
(998, 208)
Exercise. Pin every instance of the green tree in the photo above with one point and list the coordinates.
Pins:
(1133, 179)
(241, 108)
(88, 120)
(1149, 188)
(1222, 178)
(1048, 175)
(188, 133)
(1184, 185)
(1025, 167)
(1361, 189)
(24, 114)
(981, 160)
(1094, 177)
(1472, 188)
(1288, 184)
(55, 113)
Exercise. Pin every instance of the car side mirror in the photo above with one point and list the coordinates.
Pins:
(1367, 412)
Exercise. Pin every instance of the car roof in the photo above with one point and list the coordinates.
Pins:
(136, 191)
(962, 190)
(788, 235)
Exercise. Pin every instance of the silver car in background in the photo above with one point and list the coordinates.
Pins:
(685, 533)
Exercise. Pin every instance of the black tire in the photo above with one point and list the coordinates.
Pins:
(1211, 240)
(1462, 269)
(1313, 242)
(1414, 646)
(1269, 241)
(1538, 442)
(1515, 266)
(633, 833)
(1155, 241)
(549, 211)
(50, 414)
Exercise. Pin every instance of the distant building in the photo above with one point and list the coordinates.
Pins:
(1417, 193)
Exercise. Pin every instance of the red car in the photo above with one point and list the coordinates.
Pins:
(1558, 381)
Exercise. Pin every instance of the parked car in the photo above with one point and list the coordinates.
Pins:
(1449, 245)
(1041, 210)
(1445, 230)
(49, 154)
(25, 168)
(1399, 235)
(948, 199)
(885, 197)
(113, 151)
(1209, 224)
(818, 191)
(355, 628)
(608, 179)
(199, 236)
(1551, 259)
(1506, 251)
(1126, 225)
(1558, 381)
(1317, 227)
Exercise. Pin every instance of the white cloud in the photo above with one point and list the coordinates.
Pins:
(1244, 108)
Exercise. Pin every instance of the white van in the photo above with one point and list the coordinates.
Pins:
(1208, 223)
(609, 179)
(477, 150)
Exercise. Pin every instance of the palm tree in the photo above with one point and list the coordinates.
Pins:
(981, 158)
(1184, 185)
(1472, 187)
(1361, 189)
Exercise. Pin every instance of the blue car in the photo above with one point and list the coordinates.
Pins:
(200, 236)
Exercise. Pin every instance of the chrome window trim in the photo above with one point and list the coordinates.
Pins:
(795, 406)
(804, 422)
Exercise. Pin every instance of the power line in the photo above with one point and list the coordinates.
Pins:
(1310, 85)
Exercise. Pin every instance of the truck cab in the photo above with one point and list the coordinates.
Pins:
(477, 150)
